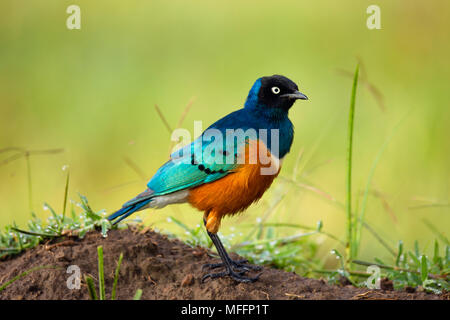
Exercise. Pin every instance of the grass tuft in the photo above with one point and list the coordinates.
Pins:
(101, 280)
(101, 273)
(14, 240)
(116, 277)
(91, 287)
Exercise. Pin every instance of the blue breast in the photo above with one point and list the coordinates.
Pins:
(261, 118)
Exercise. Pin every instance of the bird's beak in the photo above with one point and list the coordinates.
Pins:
(295, 95)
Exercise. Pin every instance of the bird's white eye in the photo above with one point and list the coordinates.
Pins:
(276, 90)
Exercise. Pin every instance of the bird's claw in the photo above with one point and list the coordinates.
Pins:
(237, 276)
(235, 271)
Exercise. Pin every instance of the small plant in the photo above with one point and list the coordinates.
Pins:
(101, 280)
(413, 269)
(14, 240)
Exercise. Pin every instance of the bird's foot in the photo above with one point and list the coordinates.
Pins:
(237, 276)
(239, 266)
(235, 270)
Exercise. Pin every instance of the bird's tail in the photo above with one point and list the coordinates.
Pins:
(127, 210)
(137, 203)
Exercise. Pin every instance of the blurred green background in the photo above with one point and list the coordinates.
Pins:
(92, 92)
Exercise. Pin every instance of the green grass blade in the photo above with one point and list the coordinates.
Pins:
(25, 273)
(138, 294)
(424, 268)
(399, 253)
(101, 273)
(116, 277)
(30, 189)
(9, 249)
(66, 191)
(436, 258)
(85, 205)
(351, 118)
(32, 233)
(447, 255)
(91, 288)
(416, 249)
(414, 258)
(318, 228)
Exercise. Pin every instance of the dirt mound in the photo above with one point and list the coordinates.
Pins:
(163, 269)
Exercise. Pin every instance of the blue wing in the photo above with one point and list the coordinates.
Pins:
(190, 166)
(195, 164)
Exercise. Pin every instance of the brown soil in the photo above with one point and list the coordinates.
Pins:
(163, 269)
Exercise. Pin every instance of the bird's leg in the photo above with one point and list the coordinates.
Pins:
(238, 265)
(234, 269)
(228, 263)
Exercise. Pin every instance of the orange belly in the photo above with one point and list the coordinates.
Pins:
(234, 192)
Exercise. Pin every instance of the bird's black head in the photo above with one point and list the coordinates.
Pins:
(276, 92)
